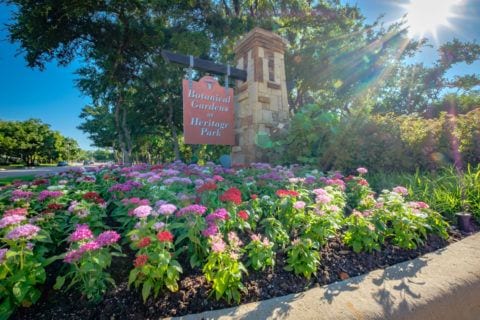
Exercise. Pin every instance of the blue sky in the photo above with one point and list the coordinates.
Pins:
(52, 97)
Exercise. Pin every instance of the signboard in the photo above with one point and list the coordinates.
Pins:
(208, 113)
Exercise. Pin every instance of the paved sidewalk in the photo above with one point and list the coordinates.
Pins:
(441, 285)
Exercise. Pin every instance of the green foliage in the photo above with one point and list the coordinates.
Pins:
(303, 257)
(260, 253)
(161, 269)
(362, 234)
(224, 270)
(446, 191)
(380, 142)
(88, 272)
(275, 231)
(22, 270)
(32, 142)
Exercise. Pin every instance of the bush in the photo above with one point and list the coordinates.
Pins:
(380, 142)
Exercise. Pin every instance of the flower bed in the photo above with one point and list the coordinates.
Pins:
(180, 238)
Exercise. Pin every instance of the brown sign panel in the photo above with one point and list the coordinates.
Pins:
(208, 113)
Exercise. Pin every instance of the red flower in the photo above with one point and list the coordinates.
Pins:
(144, 242)
(286, 193)
(243, 215)
(140, 260)
(156, 167)
(165, 236)
(363, 182)
(55, 207)
(253, 197)
(39, 182)
(233, 195)
(207, 187)
(93, 196)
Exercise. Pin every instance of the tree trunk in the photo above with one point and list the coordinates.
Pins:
(126, 134)
(119, 130)
(176, 148)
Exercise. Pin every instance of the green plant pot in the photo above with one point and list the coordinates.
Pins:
(465, 221)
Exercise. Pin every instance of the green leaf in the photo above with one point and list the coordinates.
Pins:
(146, 289)
(59, 283)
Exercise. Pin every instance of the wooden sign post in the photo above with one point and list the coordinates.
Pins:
(208, 112)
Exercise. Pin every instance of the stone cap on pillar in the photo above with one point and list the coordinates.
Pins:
(259, 37)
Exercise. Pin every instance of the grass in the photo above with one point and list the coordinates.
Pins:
(445, 191)
(22, 166)
(9, 180)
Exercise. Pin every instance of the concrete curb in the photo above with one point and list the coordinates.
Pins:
(441, 285)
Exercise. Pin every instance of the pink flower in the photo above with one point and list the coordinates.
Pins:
(362, 170)
(142, 211)
(82, 232)
(218, 245)
(11, 220)
(401, 190)
(418, 205)
(167, 209)
(15, 211)
(234, 240)
(26, 231)
(320, 192)
(256, 237)
(218, 178)
(323, 199)
(89, 246)
(3, 253)
(299, 204)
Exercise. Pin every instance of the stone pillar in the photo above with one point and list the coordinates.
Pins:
(261, 104)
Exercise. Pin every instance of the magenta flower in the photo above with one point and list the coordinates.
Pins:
(82, 232)
(21, 195)
(211, 230)
(142, 211)
(26, 231)
(194, 208)
(11, 220)
(107, 238)
(219, 214)
(45, 194)
(72, 256)
(89, 246)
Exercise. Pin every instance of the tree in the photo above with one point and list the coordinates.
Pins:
(33, 141)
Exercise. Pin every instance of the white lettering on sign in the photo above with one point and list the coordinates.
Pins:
(208, 113)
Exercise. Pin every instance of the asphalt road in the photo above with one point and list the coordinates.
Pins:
(42, 171)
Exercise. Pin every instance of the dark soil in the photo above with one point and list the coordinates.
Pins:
(338, 263)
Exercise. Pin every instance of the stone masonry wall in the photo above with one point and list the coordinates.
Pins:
(261, 103)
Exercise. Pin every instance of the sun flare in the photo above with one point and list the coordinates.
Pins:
(426, 16)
